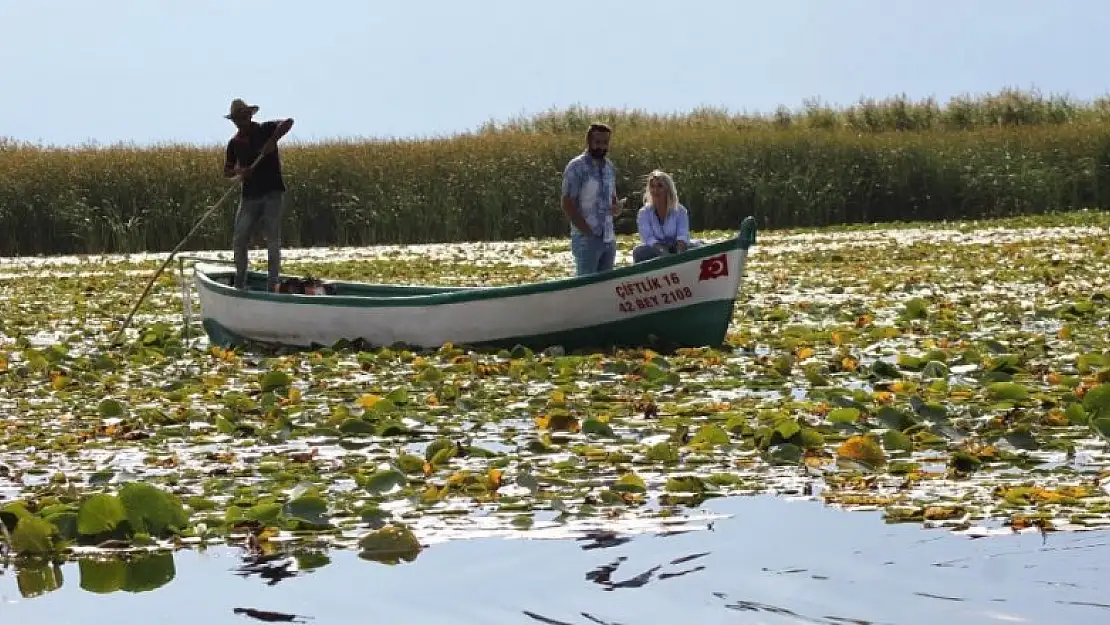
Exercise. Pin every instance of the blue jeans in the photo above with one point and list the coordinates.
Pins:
(591, 254)
(258, 214)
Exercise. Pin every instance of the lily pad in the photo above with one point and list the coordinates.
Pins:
(384, 481)
(33, 536)
(895, 440)
(111, 409)
(629, 483)
(309, 510)
(843, 415)
(784, 454)
(934, 370)
(959, 361)
(1102, 427)
(862, 449)
(1096, 402)
(152, 510)
(1007, 391)
(895, 419)
(274, 380)
(710, 435)
(100, 514)
(597, 427)
(391, 544)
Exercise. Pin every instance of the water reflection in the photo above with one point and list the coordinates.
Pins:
(603, 574)
(772, 562)
(272, 567)
(145, 572)
(270, 617)
(600, 539)
(38, 578)
(135, 573)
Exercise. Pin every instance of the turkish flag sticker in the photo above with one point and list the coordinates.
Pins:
(714, 267)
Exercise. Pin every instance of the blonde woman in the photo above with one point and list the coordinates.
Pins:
(663, 223)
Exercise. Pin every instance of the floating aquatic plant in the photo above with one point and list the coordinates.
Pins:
(956, 377)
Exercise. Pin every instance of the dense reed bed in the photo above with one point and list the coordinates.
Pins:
(1003, 154)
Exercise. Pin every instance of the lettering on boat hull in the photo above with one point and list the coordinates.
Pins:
(652, 293)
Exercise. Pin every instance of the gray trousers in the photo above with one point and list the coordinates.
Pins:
(256, 213)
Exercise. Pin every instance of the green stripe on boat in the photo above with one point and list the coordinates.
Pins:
(693, 326)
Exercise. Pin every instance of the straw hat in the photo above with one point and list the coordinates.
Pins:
(239, 107)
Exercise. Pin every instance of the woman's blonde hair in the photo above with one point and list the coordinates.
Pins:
(668, 184)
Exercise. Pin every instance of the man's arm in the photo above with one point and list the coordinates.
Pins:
(232, 168)
(571, 184)
(618, 207)
(281, 127)
(229, 162)
(615, 205)
(571, 209)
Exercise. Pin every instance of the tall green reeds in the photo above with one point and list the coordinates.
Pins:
(997, 155)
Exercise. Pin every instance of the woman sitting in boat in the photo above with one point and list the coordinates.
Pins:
(663, 223)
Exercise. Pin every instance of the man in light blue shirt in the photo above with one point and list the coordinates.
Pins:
(589, 198)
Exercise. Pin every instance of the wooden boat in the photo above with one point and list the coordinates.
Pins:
(681, 300)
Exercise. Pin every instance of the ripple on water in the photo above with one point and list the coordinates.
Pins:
(756, 559)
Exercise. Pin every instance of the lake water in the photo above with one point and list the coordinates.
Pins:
(773, 562)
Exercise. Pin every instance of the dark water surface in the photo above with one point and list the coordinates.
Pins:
(774, 562)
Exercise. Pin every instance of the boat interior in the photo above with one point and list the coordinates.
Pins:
(256, 281)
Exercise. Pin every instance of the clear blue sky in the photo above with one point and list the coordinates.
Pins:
(147, 71)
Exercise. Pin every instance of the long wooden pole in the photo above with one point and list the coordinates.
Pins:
(177, 248)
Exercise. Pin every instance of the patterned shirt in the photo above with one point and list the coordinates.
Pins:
(676, 226)
(594, 186)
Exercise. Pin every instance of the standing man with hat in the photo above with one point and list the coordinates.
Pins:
(260, 204)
